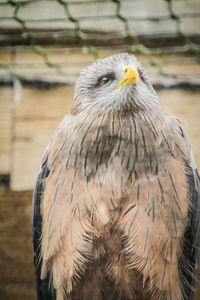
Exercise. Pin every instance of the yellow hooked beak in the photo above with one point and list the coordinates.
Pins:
(131, 76)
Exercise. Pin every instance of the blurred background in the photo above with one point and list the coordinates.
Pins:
(43, 46)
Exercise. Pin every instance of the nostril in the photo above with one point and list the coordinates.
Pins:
(126, 70)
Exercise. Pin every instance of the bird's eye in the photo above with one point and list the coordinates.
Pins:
(104, 80)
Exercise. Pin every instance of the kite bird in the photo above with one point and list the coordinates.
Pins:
(116, 205)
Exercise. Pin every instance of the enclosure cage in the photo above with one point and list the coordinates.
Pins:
(49, 31)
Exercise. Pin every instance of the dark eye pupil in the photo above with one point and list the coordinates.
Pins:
(104, 80)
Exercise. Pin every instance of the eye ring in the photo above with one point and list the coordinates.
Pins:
(104, 80)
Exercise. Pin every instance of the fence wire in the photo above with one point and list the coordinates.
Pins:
(47, 28)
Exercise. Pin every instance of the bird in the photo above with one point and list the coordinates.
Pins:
(116, 205)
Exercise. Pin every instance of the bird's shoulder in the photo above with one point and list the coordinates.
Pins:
(182, 146)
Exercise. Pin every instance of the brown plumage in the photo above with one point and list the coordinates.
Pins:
(118, 194)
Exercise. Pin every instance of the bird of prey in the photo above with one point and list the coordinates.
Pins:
(116, 206)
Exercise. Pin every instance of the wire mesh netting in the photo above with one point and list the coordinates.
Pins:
(50, 30)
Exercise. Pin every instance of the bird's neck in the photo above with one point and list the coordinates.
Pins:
(130, 139)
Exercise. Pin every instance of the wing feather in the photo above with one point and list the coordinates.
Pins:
(44, 291)
(191, 246)
(189, 261)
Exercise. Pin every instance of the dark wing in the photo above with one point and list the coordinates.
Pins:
(191, 246)
(44, 287)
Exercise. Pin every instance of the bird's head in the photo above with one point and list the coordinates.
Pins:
(115, 83)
